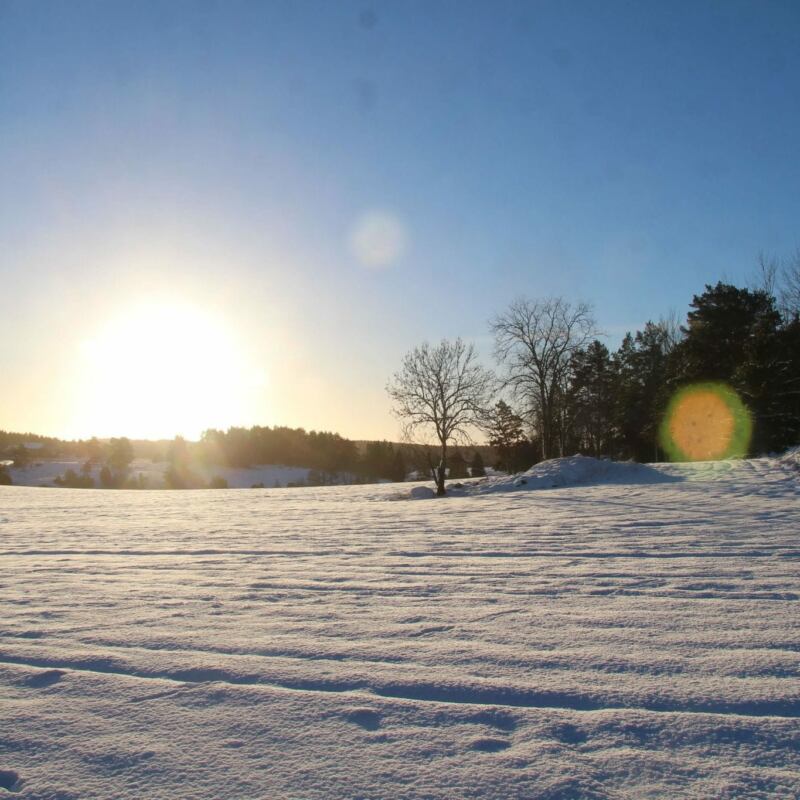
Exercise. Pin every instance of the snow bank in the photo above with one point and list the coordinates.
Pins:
(571, 471)
(791, 459)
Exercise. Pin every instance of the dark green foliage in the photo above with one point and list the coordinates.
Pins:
(457, 466)
(423, 462)
(641, 391)
(506, 432)
(476, 467)
(5, 478)
(591, 398)
(739, 337)
(380, 460)
(615, 403)
(722, 330)
(218, 482)
(331, 456)
(291, 447)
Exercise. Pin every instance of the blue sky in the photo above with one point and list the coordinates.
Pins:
(221, 154)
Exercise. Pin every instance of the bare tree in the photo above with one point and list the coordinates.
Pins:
(442, 390)
(534, 341)
(790, 288)
(767, 275)
(780, 278)
(670, 327)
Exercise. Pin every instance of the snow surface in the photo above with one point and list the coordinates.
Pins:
(632, 635)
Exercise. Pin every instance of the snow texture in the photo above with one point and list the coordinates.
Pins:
(627, 632)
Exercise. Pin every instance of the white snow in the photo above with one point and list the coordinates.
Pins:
(628, 632)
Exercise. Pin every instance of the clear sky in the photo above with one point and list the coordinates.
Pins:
(217, 213)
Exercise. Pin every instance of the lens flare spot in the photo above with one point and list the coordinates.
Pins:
(378, 239)
(706, 422)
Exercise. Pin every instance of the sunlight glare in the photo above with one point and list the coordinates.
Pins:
(161, 369)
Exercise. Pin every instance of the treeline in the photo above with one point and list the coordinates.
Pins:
(599, 402)
(564, 390)
(331, 457)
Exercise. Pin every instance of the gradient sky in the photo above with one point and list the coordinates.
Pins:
(219, 159)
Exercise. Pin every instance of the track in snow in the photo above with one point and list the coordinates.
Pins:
(617, 639)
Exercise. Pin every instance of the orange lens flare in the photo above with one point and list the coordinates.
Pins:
(706, 422)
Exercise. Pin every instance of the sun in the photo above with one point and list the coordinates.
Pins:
(161, 369)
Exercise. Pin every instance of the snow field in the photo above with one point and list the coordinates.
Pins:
(631, 633)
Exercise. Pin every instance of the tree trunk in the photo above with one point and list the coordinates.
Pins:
(441, 472)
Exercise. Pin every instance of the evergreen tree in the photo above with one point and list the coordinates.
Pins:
(641, 375)
(457, 466)
(734, 335)
(720, 330)
(590, 399)
(476, 468)
(505, 429)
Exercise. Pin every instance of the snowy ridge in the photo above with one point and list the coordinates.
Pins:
(581, 470)
(574, 471)
(635, 635)
(791, 459)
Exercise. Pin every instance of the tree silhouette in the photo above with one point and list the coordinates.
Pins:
(506, 434)
(476, 468)
(441, 390)
(535, 341)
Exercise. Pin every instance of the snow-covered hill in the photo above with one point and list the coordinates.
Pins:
(631, 632)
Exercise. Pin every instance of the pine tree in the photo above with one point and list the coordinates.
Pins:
(506, 434)
(457, 466)
(734, 335)
(642, 370)
(476, 468)
(590, 399)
